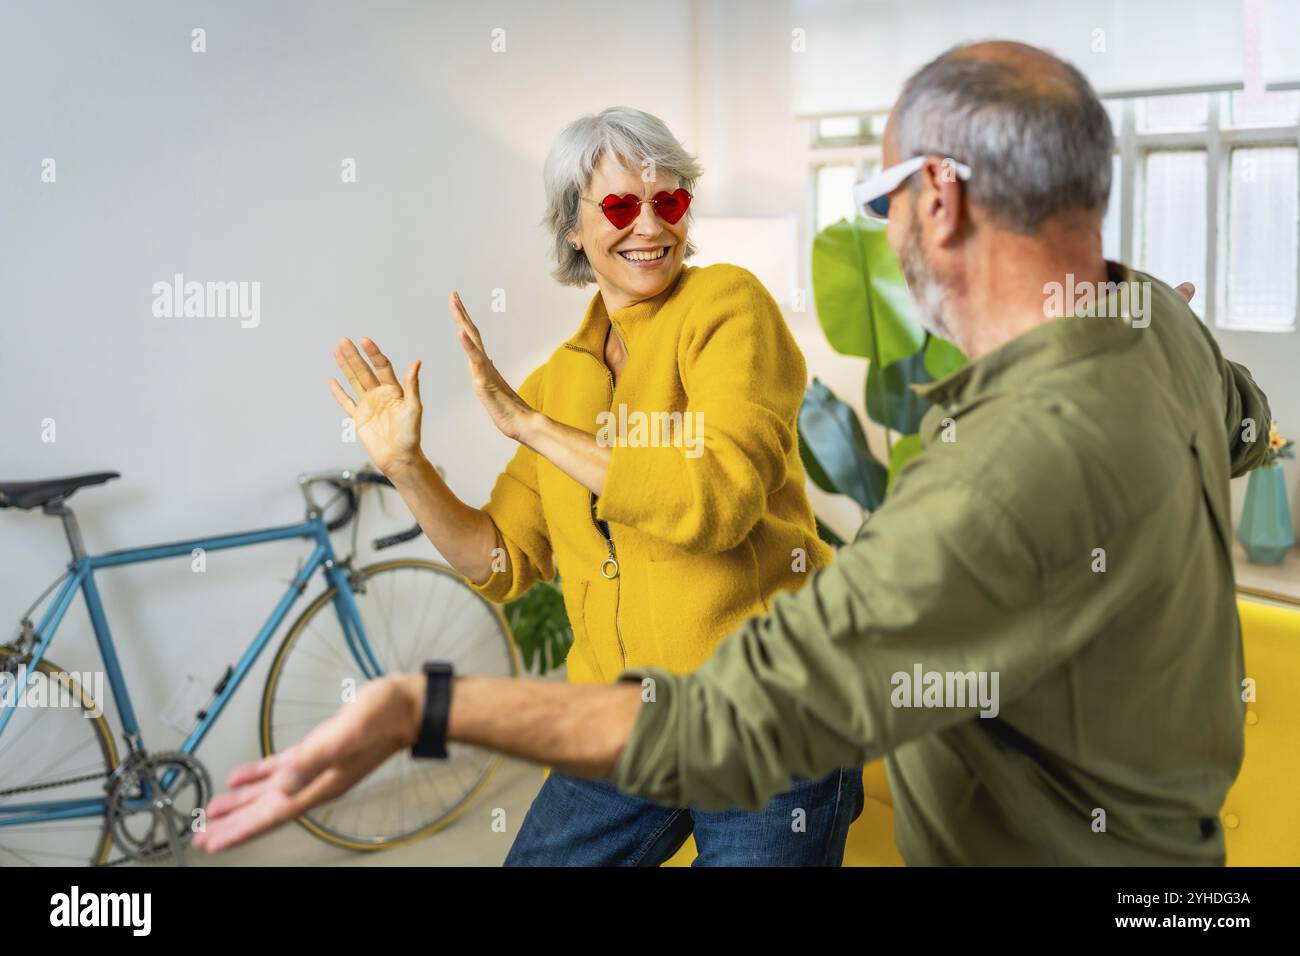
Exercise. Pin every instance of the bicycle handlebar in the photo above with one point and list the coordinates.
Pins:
(345, 482)
(387, 541)
(349, 512)
(402, 536)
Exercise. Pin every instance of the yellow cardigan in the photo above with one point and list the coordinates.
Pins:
(704, 533)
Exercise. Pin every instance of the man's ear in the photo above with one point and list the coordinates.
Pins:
(942, 199)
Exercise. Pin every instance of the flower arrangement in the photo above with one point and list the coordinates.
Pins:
(1278, 447)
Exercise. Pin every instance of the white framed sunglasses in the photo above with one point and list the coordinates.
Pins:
(871, 195)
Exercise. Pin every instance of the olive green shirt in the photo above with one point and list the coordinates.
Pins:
(1066, 533)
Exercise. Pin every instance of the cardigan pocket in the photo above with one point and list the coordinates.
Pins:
(581, 664)
(698, 600)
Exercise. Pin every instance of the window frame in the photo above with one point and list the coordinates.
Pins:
(1132, 147)
(1218, 140)
(828, 151)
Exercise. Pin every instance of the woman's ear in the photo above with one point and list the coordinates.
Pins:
(573, 239)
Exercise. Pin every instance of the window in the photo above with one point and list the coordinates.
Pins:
(1215, 199)
(835, 193)
(1172, 246)
(1262, 220)
(1267, 109)
(844, 150)
(839, 128)
(1205, 188)
(849, 130)
(1166, 113)
(1110, 228)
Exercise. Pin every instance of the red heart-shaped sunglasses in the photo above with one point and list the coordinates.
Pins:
(622, 211)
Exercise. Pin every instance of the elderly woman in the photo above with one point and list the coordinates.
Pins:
(658, 471)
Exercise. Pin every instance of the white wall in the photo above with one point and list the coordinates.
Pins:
(226, 166)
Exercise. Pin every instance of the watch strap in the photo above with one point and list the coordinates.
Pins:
(432, 741)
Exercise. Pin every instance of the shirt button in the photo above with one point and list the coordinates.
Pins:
(1252, 718)
(1231, 821)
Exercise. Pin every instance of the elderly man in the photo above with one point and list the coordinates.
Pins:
(1038, 629)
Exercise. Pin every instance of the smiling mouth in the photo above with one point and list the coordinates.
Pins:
(644, 255)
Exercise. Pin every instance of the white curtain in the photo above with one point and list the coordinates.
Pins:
(1280, 44)
(858, 53)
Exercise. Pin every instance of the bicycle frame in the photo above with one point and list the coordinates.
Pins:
(81, 577)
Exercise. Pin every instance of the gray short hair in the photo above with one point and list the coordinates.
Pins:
(629, 135)
(1039, 144)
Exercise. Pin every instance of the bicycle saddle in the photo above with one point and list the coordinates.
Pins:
(32, 494)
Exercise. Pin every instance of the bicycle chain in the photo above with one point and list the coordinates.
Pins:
(61, 783)
(86, 779)
(58, 783)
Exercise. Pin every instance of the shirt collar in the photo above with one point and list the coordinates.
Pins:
(1053, 343)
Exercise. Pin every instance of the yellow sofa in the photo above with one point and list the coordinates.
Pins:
(1260, 823)
(1261, 826)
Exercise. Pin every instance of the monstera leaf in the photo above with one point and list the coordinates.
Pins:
(905, 449)
(865, 310)
(861, 297)
(890, 399)
(942, 358)
(834, 449)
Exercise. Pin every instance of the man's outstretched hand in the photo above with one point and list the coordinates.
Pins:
(384, 719)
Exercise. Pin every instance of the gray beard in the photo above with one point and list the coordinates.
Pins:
(930, 297)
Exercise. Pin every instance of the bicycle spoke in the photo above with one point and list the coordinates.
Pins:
(75, 772)
(428, 602)
(395, 606)
(338, 658)
(336, 649)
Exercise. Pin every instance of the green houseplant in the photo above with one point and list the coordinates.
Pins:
(540, 626)
(865, 310)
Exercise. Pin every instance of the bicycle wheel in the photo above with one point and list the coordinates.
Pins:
(411, 611)
(57, 751)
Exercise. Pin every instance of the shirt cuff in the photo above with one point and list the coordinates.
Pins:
(647, 767)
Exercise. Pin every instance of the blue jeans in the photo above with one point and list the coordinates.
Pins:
(577, 822)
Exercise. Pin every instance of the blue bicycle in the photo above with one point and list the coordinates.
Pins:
(69, 796)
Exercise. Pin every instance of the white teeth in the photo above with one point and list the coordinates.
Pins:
(637, 256)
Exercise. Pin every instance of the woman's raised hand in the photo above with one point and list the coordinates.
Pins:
(386, 412)
(508, 411)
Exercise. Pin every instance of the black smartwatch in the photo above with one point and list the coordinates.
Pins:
(432, 741)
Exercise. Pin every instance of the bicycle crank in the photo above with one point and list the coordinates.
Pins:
(155, 803)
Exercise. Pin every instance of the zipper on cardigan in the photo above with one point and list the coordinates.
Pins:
(609, 571)
(609, 567)
(609, 535)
